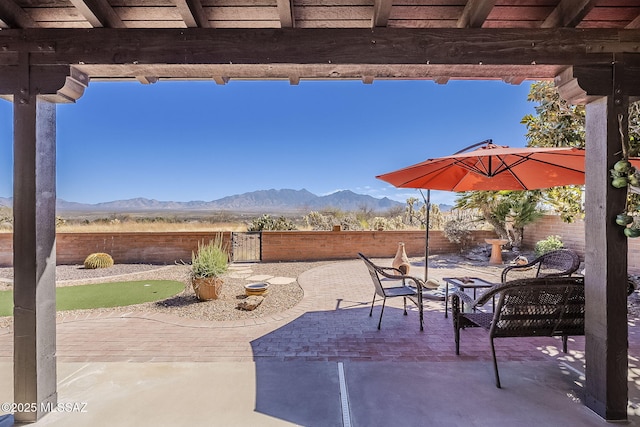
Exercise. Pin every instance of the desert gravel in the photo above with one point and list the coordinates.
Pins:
(280, 297)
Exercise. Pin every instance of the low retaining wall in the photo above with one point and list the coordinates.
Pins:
(168, 248)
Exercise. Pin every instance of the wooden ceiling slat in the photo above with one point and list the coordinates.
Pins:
(148, 13)
(525, 13)
(68, 24)
(418, 13)
(412, 23)
(613, 14)
(238, 3)
(335, 13)
(246, 24)
(336, 3)
(141, 3)
(347, 23)
(57, 14)
(156, 24)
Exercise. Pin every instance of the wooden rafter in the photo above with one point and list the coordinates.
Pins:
(635, 24)
(13, 15)
(475, 13)
(99, 13)
(381, 13)
(568, 13)
(285, 13)
(192, 13)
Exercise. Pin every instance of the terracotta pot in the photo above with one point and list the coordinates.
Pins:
(401, 261)
(207, 288)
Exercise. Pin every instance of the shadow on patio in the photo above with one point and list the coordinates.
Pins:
(400, 376)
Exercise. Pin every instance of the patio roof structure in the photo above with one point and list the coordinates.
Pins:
(50, 50)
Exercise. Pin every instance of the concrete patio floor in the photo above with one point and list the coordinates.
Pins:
(322, 363)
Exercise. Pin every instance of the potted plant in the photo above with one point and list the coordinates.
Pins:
(208, 263)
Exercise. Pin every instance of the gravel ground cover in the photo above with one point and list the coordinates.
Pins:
(280, 297)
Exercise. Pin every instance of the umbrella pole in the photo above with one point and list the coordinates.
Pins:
(427, 202)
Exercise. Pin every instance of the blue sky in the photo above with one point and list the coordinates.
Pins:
(185, 141)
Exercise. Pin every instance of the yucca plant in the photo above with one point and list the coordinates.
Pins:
(98, 260)
(210, 260)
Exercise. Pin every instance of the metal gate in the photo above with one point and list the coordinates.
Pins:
(246, 247)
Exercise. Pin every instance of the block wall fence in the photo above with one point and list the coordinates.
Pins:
(168, 248)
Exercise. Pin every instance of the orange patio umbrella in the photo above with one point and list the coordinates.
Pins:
(491, 167)
(494, 167)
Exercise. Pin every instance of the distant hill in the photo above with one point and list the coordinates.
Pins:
(265, 201)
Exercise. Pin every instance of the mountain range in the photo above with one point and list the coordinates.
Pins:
(266, 201)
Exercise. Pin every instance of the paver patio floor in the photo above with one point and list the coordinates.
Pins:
(330, 327)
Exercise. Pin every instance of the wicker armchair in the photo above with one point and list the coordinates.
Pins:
(550, 306)
(400, 288)
(562, 262)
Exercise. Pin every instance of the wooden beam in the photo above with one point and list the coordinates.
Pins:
(557, 46)
(475, 13)
(381, 13)
(99, 13)
(14, 16)
(568, 13)
(285, 12)
(192, 13)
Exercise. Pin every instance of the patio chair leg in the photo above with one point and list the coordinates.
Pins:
(564, 343)
(405, 305)
(372, 302)
(384, 300)
(495, 364)
(456, 332)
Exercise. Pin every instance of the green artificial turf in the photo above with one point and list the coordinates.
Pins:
(103, 295)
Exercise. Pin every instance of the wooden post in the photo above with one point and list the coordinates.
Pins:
(605, 89)
(606, 262)
(34, 256)
(34, 235)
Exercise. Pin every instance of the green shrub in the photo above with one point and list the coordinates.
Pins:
(98, 260)
(551, 243)
(210, 260)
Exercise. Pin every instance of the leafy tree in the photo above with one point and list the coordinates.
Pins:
(507, 211)
(558, 123)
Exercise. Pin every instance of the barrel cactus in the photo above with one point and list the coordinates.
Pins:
(98, 260)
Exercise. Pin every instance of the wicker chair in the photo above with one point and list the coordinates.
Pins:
(550, 306)
(561, 262)
(400, 288)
